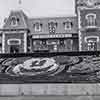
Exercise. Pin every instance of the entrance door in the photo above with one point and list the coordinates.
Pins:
(14, 49)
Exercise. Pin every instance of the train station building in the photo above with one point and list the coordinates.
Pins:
(79, 32)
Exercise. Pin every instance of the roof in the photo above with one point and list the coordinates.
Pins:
(27, 22)
(19, 14)
(59, 20)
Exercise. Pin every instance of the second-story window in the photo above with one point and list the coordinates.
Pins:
(14, 21)
(52, 27)
(38, 27)
(91, 19)
(68, 25)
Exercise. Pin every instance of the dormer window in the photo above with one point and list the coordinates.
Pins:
(14, 21)
(52, 27)
(68, 25)
(91, 20)
(38, 27)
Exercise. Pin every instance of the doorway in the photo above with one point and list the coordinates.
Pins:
(14, 49)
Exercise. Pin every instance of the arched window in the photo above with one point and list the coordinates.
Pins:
(91, 42)
(92, 45)
(14, 21)
(52, 27)
(91, 19)
(68, 25)
(38, 27)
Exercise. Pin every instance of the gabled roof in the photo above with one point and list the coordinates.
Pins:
(28, 23)
(22, 17)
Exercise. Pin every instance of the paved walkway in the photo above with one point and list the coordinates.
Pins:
(51, 98)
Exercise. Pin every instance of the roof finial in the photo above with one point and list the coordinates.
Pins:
(19, 2)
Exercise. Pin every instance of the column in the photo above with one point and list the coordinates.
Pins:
(3, 42)
(25, 42)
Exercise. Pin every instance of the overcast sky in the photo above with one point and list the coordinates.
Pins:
(37, 8)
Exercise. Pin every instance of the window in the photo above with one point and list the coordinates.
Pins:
(14, 21)
(38, 27)
(14, 49)
(68, 25)
(52, 27)
(91, 19)
(92, 45)
(92, 42)
(55, 48)
(14, 42)
(44, 42)
(61, 42)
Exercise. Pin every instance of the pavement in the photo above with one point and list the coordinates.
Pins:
(51, 98)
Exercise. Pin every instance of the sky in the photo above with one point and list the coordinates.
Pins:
(37, 8)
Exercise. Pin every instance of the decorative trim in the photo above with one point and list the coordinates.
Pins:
(14, 39)
(90, 14)
(79, 25)
(51, 21)
(54, 22)
(90, 8)
(12, 32)
(25, 42)
(3, 43)
(23, 20)
(91, 27)
(91, 37)
(52, 36)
